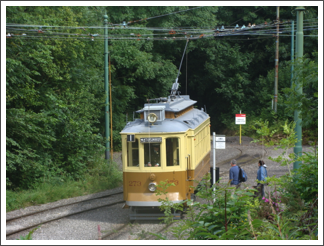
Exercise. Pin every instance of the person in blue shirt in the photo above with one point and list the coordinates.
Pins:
(262, 175)
(234, 174)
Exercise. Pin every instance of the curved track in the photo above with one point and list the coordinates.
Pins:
(243, 158)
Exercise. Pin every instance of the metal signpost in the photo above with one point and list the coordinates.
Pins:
(240, 119)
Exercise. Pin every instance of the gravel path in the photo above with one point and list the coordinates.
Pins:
(248, 148)
(85, 226)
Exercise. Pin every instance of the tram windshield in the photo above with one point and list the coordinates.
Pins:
(152, 155)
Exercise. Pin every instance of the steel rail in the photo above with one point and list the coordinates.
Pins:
(115, 231)
(247, 161)
(63, 216)
(60, 206)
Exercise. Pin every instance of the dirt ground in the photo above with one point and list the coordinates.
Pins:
(259, 152)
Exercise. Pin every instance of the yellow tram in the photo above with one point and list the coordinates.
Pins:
(170, 141)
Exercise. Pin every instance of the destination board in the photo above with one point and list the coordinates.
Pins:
(151, 140)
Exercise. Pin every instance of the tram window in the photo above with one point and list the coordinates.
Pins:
(132, 154)
(172, 151)
(152, 157)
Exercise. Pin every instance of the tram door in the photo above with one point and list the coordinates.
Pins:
(188, 166)
(188, 160)
(172, 151)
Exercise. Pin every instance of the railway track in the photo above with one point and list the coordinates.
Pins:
(127, 227)
(110, 235)
(27, 221)
(153, 237)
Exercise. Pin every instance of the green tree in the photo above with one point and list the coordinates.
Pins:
(55, 88)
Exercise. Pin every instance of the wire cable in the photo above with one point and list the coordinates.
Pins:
(153, 34)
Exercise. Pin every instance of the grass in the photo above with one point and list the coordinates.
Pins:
(101, 177)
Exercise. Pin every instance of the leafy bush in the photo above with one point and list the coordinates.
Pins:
(101, 176)
(288, 213)
(236, 215)
(305, 178)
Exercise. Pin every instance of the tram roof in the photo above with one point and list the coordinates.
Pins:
(189, 120)
(172, 104)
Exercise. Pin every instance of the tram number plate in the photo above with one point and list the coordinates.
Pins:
(176, 182)
(134, 183)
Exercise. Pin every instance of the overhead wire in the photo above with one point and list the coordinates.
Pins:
(131, 28)
(194, 31)
(154, 39)
(178, 33)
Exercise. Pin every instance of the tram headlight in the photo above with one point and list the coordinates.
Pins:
(152, 117)
(152, 187)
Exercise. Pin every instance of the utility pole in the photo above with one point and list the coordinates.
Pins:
(292, 52)
(107, 153)
(276, 65)
(298, 83)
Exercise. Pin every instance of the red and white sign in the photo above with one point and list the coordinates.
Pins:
(240, 119)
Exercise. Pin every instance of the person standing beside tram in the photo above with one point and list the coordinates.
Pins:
(262, 175)
(234, 174)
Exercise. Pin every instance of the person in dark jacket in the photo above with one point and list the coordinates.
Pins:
(234, 174)
(262, 175)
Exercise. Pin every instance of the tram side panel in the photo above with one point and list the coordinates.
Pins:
(201, 152)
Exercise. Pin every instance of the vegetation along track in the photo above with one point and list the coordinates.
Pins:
(34, 219)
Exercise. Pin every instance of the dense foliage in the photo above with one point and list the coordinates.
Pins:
(289, 210)
(55, 86)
